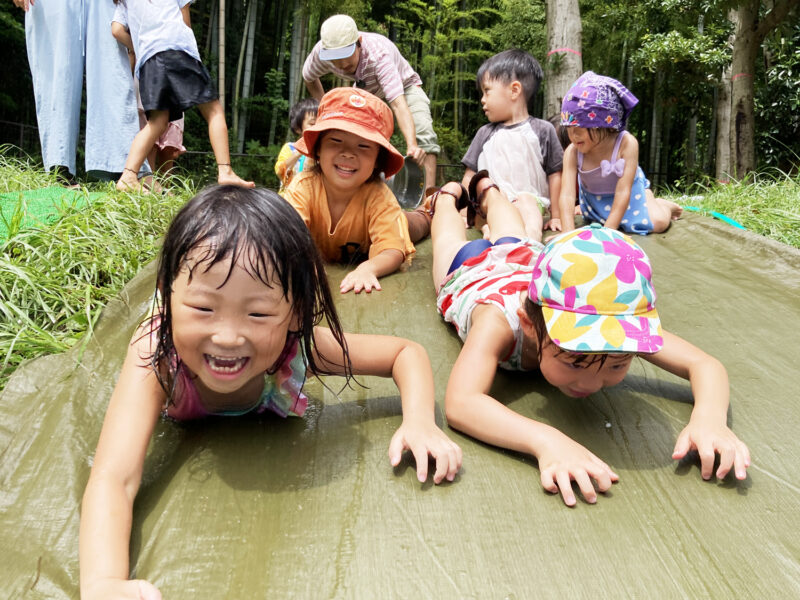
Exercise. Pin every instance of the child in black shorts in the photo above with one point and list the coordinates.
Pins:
(171, 80)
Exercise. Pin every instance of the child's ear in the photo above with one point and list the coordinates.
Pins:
(524, 320)
(516, 89)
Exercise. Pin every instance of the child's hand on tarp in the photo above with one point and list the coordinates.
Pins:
(564, 460)
(424, 438)
(136, 589)
(709, 439)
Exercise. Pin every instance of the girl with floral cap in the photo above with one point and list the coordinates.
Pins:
(577, 310)
(612, 188)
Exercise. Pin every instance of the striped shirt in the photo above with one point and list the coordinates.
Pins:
(381, 70)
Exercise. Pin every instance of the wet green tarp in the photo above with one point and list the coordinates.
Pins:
(310, 508)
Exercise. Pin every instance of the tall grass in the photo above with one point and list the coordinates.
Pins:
(55, 279)
(769, 205)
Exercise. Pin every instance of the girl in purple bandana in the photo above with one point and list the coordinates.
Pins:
(612, 188)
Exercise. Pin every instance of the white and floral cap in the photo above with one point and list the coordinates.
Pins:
(595, 289)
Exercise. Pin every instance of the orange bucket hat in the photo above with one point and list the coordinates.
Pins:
(358, 112)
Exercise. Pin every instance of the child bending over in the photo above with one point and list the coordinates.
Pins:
(351, 212)
(605, 158)
(234, 330)
(521, 153)
(290, 161)
(577, 311)
(171, 80)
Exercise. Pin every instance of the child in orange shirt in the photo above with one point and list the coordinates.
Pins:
(350, 211)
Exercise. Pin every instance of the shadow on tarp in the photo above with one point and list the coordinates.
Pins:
(311, 508)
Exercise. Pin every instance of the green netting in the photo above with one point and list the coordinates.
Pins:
(310, 508)
(34, 207)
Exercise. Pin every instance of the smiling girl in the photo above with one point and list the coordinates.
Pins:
(350, 211)
(234, 330)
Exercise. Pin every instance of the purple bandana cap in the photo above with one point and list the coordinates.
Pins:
(597, 101)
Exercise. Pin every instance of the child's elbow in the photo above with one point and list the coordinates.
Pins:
(118, 31)
(455, 410)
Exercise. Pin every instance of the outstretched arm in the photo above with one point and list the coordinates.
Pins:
(707, 431)
(406, 124)
(107, 509)
(471, 409)
(407, 363)
(569, 179)
(629, 150)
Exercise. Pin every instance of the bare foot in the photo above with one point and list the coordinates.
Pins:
(226, 176)
(487, 235)
(129, 182)
(675, 210)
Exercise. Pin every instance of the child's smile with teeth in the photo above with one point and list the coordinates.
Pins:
(230, 328)
(346, 159)
(222, 364)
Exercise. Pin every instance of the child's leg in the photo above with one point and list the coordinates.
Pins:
(144, 141)
(218, 136)
(502, 216)
(447, 233)
(531, 213)
(662, 212)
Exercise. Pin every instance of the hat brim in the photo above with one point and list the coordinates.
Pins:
(337, 53)
(604, 334)
(394, 160)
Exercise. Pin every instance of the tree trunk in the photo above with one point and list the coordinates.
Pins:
(221, 53)
(654, 167)
(723, 110)
(296, 57)
(250, 29)
(564, 62)
(743, 60)
(238, 80)
(284, 23)
(752, 27)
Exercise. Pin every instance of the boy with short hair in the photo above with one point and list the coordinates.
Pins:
(521, 153)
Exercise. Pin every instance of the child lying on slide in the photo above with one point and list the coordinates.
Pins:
(578, 311)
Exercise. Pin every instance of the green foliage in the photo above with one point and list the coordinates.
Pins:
(55, 279)
(769, 206)
(698, 54)
(777, 103)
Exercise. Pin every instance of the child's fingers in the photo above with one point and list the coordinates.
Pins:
(396, 447)
(147, 591)
(742, 461)
(448, 462)
(586, 486)
(682, 446)
(546, 478)
(726, 458)
(707, 455)
(565, 487)
(420, 453)
(602, 475)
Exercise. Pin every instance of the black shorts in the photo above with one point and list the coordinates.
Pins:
(174, 81)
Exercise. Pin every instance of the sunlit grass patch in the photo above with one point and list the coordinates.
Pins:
(55, 278)
(769, 205)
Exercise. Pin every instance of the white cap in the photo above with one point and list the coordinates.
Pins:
(339, 35)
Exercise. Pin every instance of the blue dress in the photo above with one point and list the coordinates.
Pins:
(596, 193)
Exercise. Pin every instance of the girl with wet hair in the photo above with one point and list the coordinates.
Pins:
(235, 327)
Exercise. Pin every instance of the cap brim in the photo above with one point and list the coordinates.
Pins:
(394, 161)
(337, 53)
(604, 334)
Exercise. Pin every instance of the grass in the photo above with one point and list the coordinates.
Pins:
(769, 205)
(55, 279)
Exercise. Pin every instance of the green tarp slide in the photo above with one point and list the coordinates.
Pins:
(310, 508)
